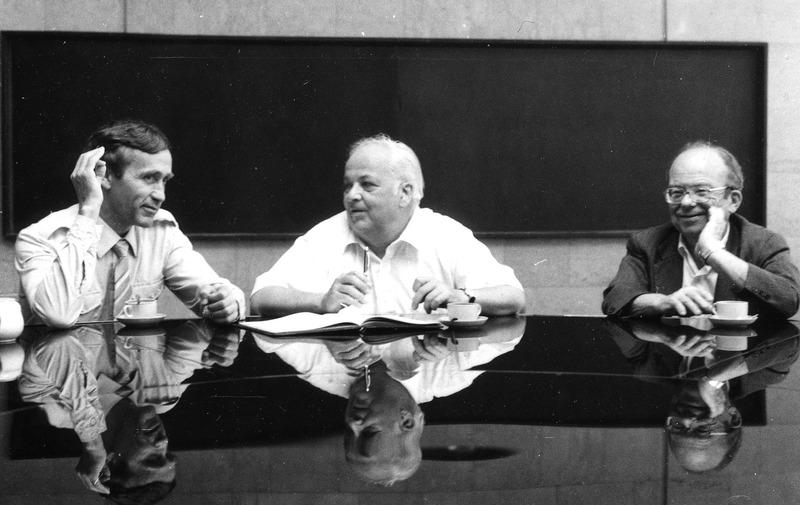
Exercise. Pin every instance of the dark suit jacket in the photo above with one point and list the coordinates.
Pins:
(653, 265)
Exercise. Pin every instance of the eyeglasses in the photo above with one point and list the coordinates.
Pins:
(702, 194)
(704, 428)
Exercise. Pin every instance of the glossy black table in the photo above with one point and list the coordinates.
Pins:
(538, 409)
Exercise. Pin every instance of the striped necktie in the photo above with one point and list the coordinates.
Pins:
(118, 280)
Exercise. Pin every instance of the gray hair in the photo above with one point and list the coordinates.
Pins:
(404, 165)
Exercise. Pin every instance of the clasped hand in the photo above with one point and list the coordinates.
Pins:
(223, 348)
(219, 303)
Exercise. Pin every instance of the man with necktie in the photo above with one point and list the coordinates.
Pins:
(84, 262)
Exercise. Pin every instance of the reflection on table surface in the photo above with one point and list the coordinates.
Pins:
(531, 409)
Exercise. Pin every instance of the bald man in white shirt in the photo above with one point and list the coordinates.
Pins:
(385, 254)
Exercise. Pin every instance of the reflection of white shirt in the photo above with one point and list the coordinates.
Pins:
(424, 381)
(63, 262)
(432, 245)
(706, 277)
(69, 375)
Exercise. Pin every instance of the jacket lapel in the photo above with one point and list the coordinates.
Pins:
(668, 265)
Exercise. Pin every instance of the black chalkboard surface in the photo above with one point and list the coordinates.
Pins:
(515, 138)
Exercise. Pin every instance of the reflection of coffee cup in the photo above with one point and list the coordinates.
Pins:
(140, 307)
(11, 357)
(11, 322)
(731, 343)
(731, 309)
(463, 311)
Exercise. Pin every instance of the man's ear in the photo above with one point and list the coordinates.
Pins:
(407, 421)
(736, 200)
(406, 193)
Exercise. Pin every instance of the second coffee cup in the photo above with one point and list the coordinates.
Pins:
(731, 309)
(463, 311)
(140, 308)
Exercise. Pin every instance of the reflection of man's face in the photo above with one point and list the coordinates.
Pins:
(699, 441)
(142, 445)
(372, 195)
(384, 426)
(696, 168)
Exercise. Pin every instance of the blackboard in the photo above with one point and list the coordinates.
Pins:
(515, 138)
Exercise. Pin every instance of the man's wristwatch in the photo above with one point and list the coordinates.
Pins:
(470, 298)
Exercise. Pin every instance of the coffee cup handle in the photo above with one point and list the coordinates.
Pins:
(126, 311)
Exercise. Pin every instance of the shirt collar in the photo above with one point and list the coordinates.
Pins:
(108, 237)
(683, 249)
(414, 233)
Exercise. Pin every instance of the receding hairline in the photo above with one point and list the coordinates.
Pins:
(735, 176)
(403, 162)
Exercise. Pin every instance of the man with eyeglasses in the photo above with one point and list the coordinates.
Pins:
(707, 253)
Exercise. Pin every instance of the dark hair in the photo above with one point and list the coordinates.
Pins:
(151, 492)
(735, 174)
(119, 136)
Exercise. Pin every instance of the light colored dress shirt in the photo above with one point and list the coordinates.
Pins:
(63, 262)
(432, 245)
(424, 381)
(68, 373)
(705, 277)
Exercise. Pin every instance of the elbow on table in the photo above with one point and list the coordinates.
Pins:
(55, 318)
(513, 303)
(261, 302)
(60, 321)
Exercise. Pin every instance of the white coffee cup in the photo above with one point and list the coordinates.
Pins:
(463, 311)
(140, 308)
(11, 322)
(731, 309)
(11, 358)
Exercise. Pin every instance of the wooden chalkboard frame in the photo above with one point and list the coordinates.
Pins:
(437, 189)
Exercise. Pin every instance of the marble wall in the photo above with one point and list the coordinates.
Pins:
(561, 275)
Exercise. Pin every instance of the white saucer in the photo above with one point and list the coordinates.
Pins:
(732, 322)
(455, 323)
(141, 321)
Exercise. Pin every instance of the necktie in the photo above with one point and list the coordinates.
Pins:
(118, 279)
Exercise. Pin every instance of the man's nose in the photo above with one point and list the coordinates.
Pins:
(353, 192)
(688, 200)
(159, 194)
